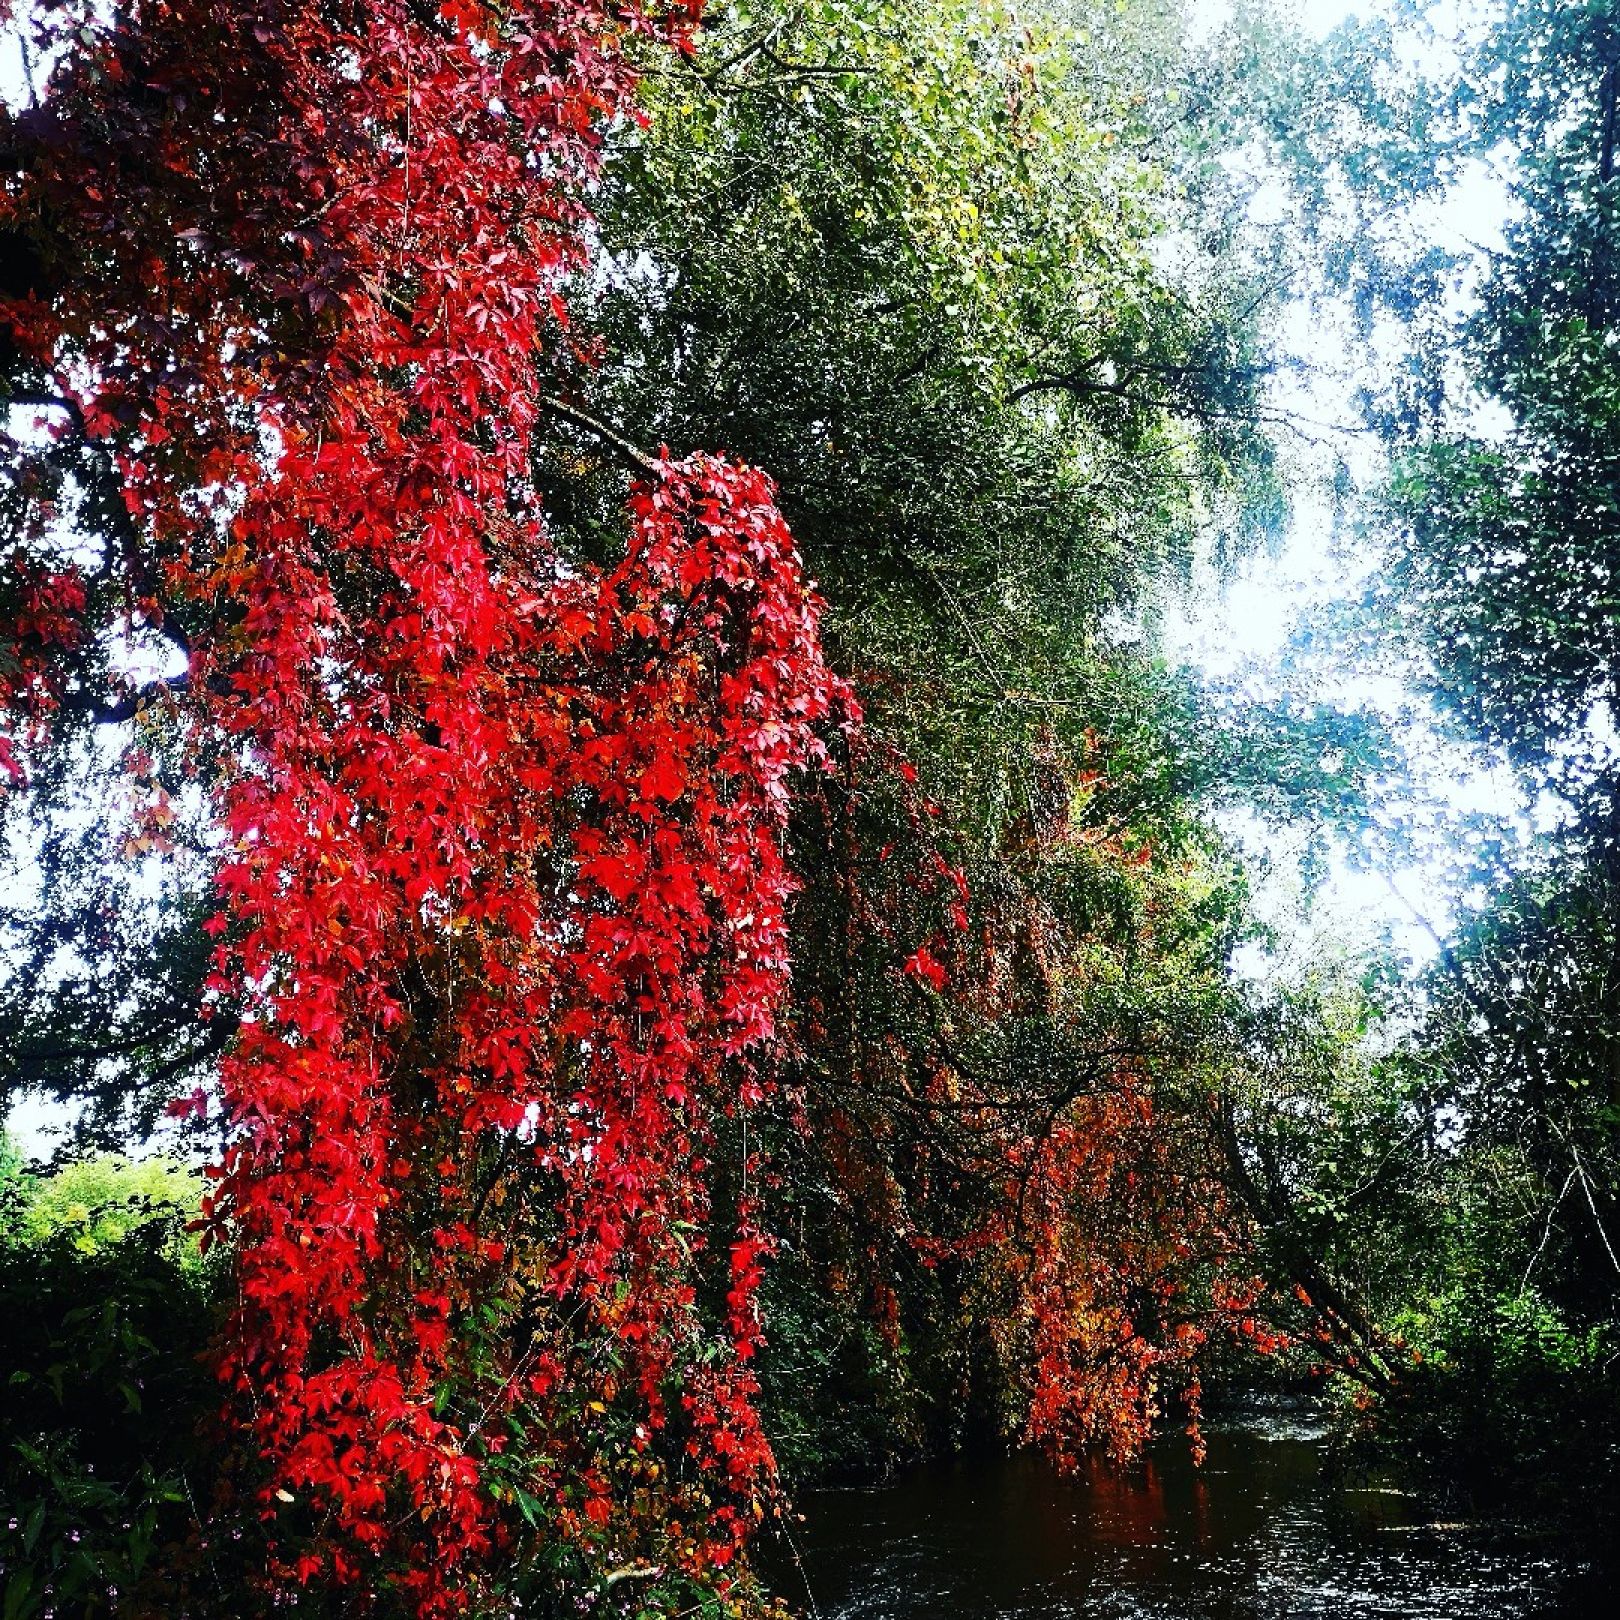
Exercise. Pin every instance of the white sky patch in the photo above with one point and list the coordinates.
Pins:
(1315, 17)
(39, 1125)
(1242, 632)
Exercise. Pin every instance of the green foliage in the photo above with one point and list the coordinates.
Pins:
(906, 255)
(1505, 573)
(1506, 562)
(1506, 1403)
(102, 1461)
(95, 1203)
(1456, 1179)
(839, 1402)
(102, 953)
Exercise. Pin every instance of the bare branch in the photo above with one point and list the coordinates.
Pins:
(48, 402)
(1524, 1281)
(624, 448)
(130, 705)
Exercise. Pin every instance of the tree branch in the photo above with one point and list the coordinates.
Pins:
(1607, 98)
(1069, 383)
(131, 704)
(48, 402)
(627, 450)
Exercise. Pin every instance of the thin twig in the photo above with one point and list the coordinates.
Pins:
(1524, 1281)
(625, 448)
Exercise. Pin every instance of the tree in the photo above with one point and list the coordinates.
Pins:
(905, 256)
(1503, 573)
(504, 852)
(1479, 1148)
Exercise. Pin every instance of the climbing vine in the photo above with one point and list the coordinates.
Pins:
(504, 835)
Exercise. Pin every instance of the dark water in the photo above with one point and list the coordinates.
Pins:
(1260, 1532)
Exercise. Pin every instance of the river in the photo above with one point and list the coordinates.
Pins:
(1262, 1531)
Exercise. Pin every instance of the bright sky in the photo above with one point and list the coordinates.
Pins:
(1242, 631)
(1316, 16)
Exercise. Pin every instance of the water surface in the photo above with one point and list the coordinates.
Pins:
(1262, 1531)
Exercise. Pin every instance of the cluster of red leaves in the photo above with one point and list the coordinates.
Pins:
(561, 921)
(1118, 1220)
(1054, 1185)
(505, 835)
(1120, 1249)
(42, 613)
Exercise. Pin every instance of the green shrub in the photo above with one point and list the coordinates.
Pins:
(104, 1317)
(95, 1202)
(1508, 1403)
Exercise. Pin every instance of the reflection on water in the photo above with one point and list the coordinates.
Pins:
(1258, 1533)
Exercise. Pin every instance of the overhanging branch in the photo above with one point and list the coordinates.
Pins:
(626, 449)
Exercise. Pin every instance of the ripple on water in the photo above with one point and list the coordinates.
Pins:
(1260, 1533)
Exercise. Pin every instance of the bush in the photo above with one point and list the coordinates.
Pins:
(105, 1312)
(1508, 1404)
(96, 1202)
